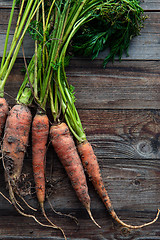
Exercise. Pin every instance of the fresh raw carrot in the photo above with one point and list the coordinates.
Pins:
(91, 165)
(15, 140)
(40, 131)
(3, 113)
(65, 148)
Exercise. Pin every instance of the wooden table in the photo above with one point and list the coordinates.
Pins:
(120, 110)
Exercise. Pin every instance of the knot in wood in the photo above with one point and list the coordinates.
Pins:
(144, 148)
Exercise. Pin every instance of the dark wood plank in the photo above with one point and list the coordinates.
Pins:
(4, 19)
(84, 232)
(151, 5)
(125, 85)
(6, 3)
(146, 46)
(73, 233)
(28, 45)
(123, 134)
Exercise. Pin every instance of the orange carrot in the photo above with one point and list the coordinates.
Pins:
(40, 131)
(91, 165)
(3, 113)
(15, 140)
(65, 148)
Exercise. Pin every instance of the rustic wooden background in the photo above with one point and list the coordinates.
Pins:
(120, 109)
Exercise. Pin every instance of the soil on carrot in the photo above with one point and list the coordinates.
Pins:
(24, 185)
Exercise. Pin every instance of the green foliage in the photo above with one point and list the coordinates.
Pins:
(115, 23)
(36, 27)
(67, 60)
(55, 65)
(36, 30)
(72, 93)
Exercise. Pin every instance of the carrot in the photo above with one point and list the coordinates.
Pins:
(65, 148)
(91, 165)
(40, 131)
(3, 113)
(15, 140)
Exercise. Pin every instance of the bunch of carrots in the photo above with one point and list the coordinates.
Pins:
(56, 25)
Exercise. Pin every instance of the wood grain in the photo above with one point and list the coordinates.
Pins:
(146, 46)
(151, 5)
(4, 19)
(87, 231)
(123, 134)
(125, 85)
(122, 85)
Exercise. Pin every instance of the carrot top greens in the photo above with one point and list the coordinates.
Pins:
(115, 23)
(87, 27)
(25, 15)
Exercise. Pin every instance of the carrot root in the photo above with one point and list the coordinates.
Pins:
(13, 200)
(62, 214)
(90, 163)
(26, 203)
(65, 148)
(40, 131)
(138, 226)
(5, 197)
(54, 226)
(90, 214)
(15, 141)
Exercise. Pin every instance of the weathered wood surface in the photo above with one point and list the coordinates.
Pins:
(124, 85)
(119, 107)
(146, 4)
(129, 84)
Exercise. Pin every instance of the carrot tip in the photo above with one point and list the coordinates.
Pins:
(90, 214)
(5, 197)
(41, 205)
(140, 226)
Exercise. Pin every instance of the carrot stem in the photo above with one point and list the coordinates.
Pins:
(15, 47)
(7, 34)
